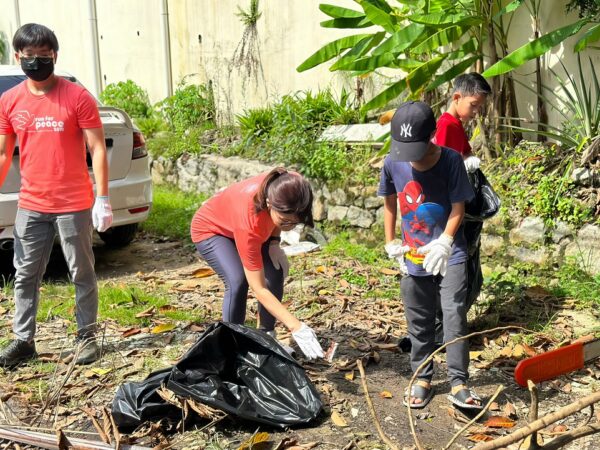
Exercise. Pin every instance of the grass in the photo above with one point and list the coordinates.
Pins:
(172, 212)
(116, 302)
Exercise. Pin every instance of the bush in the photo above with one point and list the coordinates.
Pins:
(288, 132)
(130, 97)
(190, 106)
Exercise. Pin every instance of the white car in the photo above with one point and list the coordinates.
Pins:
(130, 184)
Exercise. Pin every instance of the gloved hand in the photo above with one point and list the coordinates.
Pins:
(102, 215)
(306, 339)
(472, 163)
(279, 258)
(395, 249)
(436, 254)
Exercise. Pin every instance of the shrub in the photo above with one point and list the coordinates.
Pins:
(127, 95)
(288, 131)
(190, 106)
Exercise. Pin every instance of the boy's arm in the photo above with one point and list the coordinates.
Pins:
(95, 140)
(455, 219)
(7, 148)
(390, 208)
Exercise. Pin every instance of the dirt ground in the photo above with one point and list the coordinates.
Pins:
(365, 325)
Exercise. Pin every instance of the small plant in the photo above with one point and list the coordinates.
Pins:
(130, 97)
(190, 106)
(172, 212)
(151, 125)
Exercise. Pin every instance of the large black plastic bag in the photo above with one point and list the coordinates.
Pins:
(486, 202)
(239, 370)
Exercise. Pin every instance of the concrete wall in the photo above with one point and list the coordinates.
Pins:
(204, 35)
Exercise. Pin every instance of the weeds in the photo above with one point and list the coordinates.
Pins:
(128, 96)
(172, 212)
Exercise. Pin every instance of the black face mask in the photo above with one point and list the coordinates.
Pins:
(38, 69)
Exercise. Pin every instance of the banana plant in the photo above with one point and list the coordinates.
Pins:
(430, 41)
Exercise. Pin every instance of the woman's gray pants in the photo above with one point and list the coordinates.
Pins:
(34, 234)
(222, 256)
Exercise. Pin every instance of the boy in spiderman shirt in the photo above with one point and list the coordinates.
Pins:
(431, 186)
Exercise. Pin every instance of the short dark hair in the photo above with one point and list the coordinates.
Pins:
(471, 84)
(288, 193)
(34, 35)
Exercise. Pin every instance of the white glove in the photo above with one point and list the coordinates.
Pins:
(436, 254)
(306, 339)
(102, 215)
(279, 258)
(395, 249)
(472, 163)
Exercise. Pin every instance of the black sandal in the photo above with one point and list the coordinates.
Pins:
(423, 393)
(460, 398)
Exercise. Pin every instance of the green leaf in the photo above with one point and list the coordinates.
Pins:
(379, 16)
(512, 6)
(385, 96)
(439, 39)
(466, 50)
(421, 75)
(359, 50)
(338, 12)
(591, 35)
(533, 49)
(330, 51)
(436, 19)
(349, 22)
(400, 40)
(451, 73)
(368, 64)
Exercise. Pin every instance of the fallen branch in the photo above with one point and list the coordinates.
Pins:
(49, 441)
(430, 358)
(363, 379)
(533, 415)
(474, 419)
(570, 436)
(548, 419)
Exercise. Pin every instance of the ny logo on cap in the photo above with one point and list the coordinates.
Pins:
(406, 130)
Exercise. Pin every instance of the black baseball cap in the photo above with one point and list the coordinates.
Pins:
(411, 128)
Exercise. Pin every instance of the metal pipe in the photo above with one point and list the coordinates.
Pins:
(166, 42)
(95, 47)
(17, 14)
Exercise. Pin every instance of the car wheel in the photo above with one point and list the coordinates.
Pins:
(119, 236)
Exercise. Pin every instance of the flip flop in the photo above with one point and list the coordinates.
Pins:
(421, 392)
(460, 398)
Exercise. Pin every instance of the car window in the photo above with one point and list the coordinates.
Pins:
(7, 82)
(10, 81)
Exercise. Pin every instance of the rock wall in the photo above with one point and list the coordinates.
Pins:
(524, 239)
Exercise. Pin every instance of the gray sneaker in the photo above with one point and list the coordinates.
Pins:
(17, 352)
(86, 350)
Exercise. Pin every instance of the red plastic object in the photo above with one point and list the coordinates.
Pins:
(550, 364)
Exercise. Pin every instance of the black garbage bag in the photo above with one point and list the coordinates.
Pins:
(236, 369)
(486, 202)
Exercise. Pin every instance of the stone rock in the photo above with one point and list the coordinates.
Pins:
(357, 196)
(490, 244)
(561, 230)
(339, 197)
(337, 213)
(495, 224)
(359, 217)
(319, 209)
(379, 216)
(162, 171)
(586, 249)
(585, 177)
(373, 202)
(530, 231)
(539, 256)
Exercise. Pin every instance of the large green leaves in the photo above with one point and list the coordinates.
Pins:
(451, 73)
(331, 50)
(591, 35)
(401, 39)
(338, 12)
(534, 49)
(379, 13)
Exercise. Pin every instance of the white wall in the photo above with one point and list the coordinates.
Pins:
(204, 35)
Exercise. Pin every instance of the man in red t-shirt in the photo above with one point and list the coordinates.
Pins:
(53, 120)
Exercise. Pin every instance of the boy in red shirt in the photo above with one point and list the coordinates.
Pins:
(53, 120)
(468, 97)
